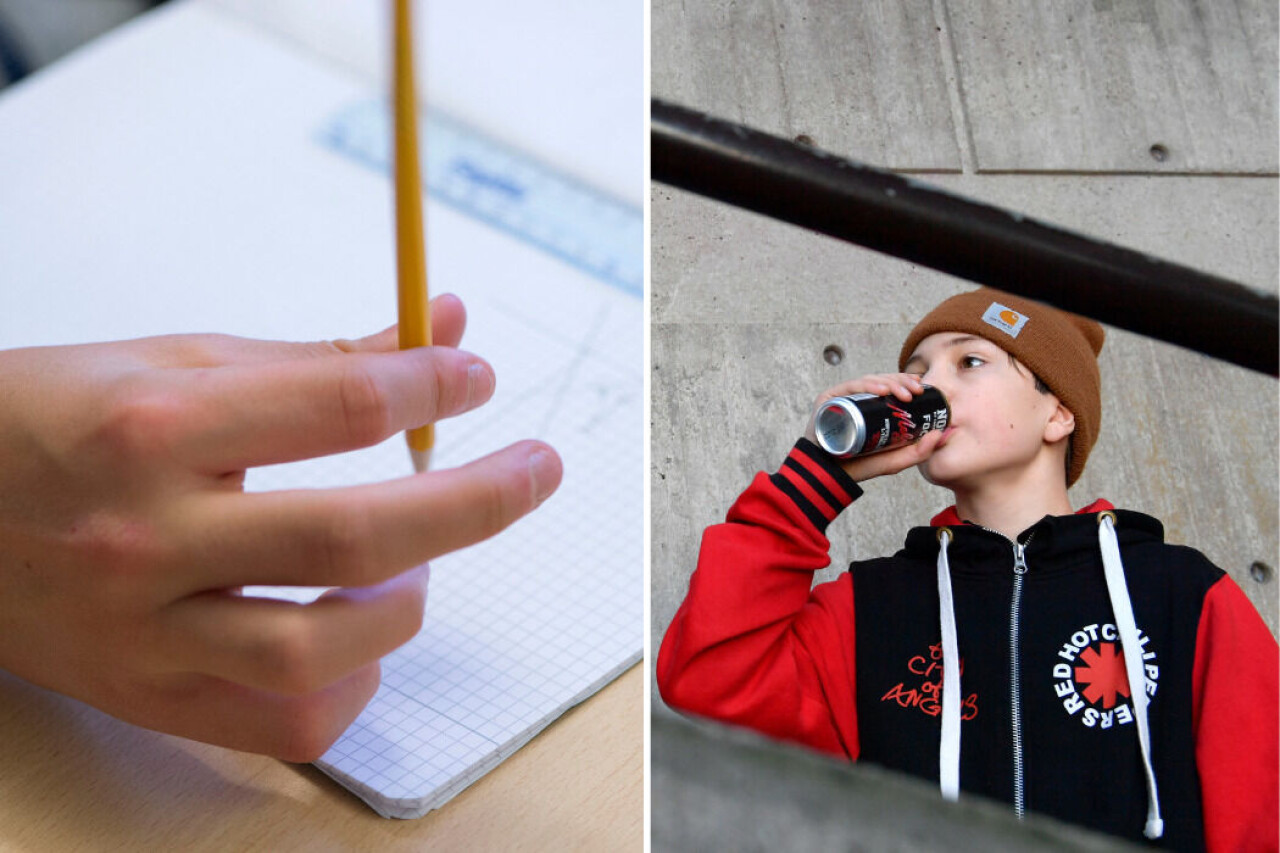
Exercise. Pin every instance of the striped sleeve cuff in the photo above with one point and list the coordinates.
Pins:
(815, 483)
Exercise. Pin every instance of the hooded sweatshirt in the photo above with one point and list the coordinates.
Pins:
(1044, 714)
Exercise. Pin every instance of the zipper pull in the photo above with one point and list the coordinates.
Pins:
(1019, 558)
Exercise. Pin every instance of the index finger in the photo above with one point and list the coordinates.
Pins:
(901, 385)
(237, 417)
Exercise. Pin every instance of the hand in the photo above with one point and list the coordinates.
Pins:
(125, 532)
(904, 386)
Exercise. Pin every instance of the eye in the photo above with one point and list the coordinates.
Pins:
(971, 361)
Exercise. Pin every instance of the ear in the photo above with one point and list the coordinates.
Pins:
(1060, 424)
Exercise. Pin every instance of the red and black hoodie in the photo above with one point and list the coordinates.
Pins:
(854, 667)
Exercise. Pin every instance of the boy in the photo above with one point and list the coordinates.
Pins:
(996, 651)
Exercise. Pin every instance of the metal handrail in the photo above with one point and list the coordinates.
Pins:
(909, 219)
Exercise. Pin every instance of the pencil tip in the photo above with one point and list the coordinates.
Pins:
(421, 459)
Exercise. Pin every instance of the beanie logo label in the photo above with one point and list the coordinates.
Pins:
(1005, 319)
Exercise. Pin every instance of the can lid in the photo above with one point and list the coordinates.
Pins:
(838, 427)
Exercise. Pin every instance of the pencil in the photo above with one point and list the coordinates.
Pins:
(411, 256)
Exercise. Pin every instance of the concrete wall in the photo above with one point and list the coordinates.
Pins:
(1050, 109)
(1151, 125)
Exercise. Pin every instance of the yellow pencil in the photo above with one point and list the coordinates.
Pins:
(411, 256)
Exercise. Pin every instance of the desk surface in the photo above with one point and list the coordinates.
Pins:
(74, 778)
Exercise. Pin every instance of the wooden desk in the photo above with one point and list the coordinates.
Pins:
(73, 778)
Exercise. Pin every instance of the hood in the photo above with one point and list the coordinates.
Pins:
(1052, 542)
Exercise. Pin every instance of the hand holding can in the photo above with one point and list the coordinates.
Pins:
(862, 424)
(902, 389)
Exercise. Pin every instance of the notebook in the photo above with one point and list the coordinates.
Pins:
(203, 170)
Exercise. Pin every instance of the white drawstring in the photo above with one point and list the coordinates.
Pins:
(949, 750)
(1118, 590)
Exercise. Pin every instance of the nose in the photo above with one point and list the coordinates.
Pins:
(937, 379)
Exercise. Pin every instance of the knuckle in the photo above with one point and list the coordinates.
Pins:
(308, 730)
(346, 545)
(205, 349)
(117, 547)
(498, 507)
(140, 422)
(435, 386)
(309, 725)
(337, 346)
(416, 618)
(366, 406)
(412, 609)
(289, 659)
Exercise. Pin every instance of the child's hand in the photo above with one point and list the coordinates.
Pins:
(904, 386)
(125, 532)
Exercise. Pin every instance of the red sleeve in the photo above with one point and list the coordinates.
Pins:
(751, 644)
(1235, 717)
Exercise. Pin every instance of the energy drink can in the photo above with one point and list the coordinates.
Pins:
(861, 424)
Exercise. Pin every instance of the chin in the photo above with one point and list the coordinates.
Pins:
(931, 474)
(940, 473)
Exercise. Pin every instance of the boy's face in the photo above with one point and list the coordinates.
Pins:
(1000, 423)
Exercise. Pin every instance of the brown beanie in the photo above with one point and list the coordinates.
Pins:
(1060, 348)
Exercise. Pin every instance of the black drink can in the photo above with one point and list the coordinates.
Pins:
(861, 424)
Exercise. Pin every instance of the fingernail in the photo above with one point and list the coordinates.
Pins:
(544, 470)
(480, 382)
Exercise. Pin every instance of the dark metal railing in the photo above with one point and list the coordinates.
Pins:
(979, 242)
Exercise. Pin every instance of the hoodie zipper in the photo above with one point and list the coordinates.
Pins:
(1015, 666)
(1015, 674)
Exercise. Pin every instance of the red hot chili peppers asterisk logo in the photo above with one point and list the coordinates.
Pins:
(1090, 678)
(1103, 672)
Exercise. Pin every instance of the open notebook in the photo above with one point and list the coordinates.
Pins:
(198, 171)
